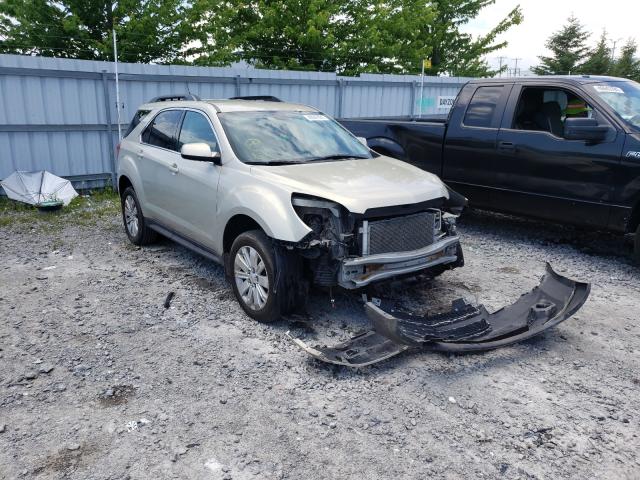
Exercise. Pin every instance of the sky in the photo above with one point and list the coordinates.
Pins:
(544, 17)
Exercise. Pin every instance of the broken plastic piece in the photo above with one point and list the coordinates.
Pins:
(364, 349)
(167, 301)
(465, 328)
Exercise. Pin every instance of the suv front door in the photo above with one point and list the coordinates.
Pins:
(195, 184)
(542, 174)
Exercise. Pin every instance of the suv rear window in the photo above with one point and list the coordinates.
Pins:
(135, 121)
(162, 131)
(482, 107)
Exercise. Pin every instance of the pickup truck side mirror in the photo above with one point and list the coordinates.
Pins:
(200, 152)
(586, 129)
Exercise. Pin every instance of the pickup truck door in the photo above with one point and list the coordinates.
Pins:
(470, 142)
(542, 174)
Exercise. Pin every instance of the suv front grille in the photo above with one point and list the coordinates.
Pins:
(402, 234)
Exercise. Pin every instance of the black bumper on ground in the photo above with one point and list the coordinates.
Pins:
(465, 328)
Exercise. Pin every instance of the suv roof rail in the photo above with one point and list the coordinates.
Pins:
(266, 98)
(175, 97)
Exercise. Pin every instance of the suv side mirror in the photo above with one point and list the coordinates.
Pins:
(585, 129)
(200, 152)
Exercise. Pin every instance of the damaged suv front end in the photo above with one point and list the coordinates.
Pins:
(354, 250)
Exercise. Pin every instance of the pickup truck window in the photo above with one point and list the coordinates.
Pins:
(162, 130)
(623, 98)
(482, 107)
(197, 129)
(545, 109)
(279, 137)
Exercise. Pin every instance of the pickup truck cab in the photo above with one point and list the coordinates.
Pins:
(563, 148)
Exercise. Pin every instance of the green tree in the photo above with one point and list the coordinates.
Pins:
(599, 60)
(569, 50)
(628, 65)
(147, 30)
(458, 53)
(350, 37)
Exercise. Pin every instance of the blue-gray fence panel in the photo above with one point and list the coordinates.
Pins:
(61, 115)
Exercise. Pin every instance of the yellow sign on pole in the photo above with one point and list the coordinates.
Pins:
(426, 63)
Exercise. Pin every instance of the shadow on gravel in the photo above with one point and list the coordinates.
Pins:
(588, 241)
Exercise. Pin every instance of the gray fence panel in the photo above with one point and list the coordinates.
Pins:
(61, 114)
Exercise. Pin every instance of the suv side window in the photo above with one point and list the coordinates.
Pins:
(135, 121)
(162, 131)
(197, 129)
(482, 107)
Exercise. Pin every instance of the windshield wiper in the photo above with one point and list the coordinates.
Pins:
(275, 162)
(336, 157)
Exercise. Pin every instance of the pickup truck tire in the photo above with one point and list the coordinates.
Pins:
(255, 280)
(135, 224)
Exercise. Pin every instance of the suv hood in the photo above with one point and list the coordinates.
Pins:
(357, 184)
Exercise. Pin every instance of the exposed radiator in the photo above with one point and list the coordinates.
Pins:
(401, 234)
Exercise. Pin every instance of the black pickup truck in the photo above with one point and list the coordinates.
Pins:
(565, 149)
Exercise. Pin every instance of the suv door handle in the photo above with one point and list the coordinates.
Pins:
(509, 146)
(173, 167)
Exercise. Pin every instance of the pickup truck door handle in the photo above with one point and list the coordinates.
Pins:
(173, 168)
(509, 146)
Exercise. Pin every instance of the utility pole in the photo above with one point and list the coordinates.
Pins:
(515, 69)
(115, 59)
(500, 60)
(613, 50)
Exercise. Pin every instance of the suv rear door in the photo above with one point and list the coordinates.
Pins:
(157, 158)
(542, 174)
(471, 137)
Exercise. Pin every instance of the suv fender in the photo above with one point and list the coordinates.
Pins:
(127, 168)
(268, 207)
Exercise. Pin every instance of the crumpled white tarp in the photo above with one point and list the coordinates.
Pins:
(36, 188)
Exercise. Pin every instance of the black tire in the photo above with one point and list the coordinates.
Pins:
(636, 246)
(143, 235)
(279, 270)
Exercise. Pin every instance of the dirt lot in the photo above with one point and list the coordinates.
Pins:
(99, 381)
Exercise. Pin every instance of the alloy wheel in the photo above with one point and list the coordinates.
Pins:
(252, 280)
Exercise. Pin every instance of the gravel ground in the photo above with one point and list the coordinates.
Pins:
(99, 381)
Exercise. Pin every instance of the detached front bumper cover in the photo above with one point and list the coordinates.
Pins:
(465, 328)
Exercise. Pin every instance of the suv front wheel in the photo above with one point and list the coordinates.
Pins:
(252, 267)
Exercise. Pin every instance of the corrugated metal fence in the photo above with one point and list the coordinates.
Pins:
(60, 115)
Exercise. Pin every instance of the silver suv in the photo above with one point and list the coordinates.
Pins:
(283, 196)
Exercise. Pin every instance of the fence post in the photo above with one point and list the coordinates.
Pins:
(340, 97)
(412, 109)
(237, 86)
(107, 107)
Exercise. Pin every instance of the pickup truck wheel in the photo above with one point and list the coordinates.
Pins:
(252, 263)
(135, 224)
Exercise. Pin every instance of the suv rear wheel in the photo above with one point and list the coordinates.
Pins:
(135, 224)
(252, 268)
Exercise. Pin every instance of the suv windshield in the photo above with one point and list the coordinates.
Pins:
(623, 98)
(280, 137)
